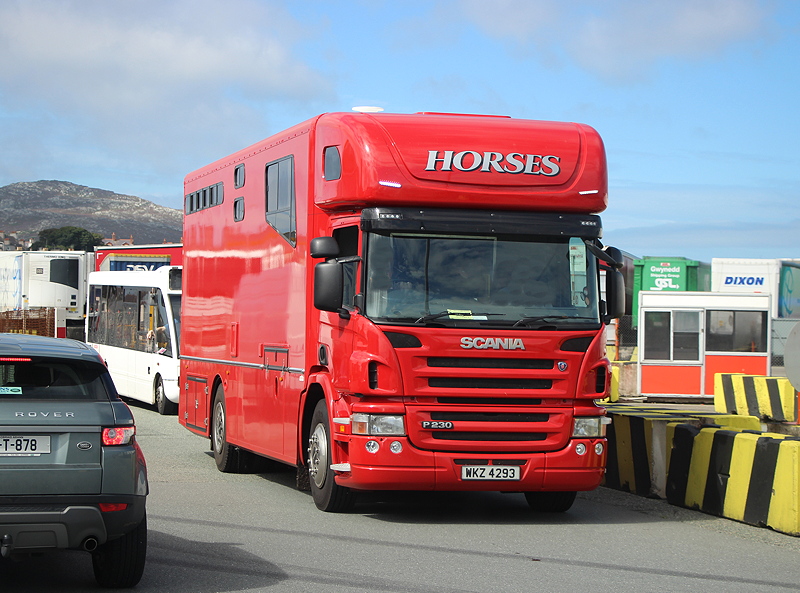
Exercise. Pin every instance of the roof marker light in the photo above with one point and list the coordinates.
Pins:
(368, 109)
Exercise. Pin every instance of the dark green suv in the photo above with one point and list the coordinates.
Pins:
(71, 472)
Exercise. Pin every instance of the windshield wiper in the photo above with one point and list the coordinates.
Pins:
(535, 318)
(454, 313)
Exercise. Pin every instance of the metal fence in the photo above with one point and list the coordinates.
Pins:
(621, 340)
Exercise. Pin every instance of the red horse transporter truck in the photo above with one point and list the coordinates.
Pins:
(403, 302)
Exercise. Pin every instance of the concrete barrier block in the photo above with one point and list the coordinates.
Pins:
(742, 460)
(767, 398)
(784, 507)
(746, 476)
(638, 447)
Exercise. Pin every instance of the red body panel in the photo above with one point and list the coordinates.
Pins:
(249, 323)
(390, 148)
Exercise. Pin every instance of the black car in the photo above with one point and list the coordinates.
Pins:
(72, 475)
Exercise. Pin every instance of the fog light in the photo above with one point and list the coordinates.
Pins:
(396, 447)
(372, 446)
(599, 448)
(580, 449)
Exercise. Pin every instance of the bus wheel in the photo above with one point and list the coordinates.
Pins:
(163, 405)
(328, 495)
(550, 502)
(225, 454)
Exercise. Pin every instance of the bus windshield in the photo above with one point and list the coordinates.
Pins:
(524, 282)
(133, 318)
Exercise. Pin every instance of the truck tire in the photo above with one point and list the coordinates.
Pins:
(550, 502)
(120, 562)
(225, 455)
(327, 494)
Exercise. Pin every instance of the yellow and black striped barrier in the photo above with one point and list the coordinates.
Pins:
(640, 442)
(748, 476)
(768, 398)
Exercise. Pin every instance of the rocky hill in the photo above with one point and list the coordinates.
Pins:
(30, 207)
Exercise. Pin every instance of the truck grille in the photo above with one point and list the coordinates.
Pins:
(453, 362)
(514, 437)
(490, 402)
(488, 417)
(488, 383)
(506, 429)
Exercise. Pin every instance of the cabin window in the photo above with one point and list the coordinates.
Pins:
(672, 335)
(332, 164)
(347, 238)
(238, 176)
(204, 198)
(736, 331)
(281, 199)
(238, 209)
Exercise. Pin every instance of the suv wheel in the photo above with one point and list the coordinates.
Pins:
(120, 562)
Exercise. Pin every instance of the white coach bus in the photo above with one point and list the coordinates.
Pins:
(133, 321)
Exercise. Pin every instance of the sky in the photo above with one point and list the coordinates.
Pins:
(697, 101)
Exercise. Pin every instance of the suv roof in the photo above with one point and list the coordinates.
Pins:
(31, 345)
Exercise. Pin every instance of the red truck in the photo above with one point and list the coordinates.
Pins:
(403, 302)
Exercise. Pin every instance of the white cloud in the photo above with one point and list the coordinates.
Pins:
(87, 53)
(129, 75)
(520, 21)
(620, 39)
(634, 35)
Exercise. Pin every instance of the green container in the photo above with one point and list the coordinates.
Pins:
(676, 274)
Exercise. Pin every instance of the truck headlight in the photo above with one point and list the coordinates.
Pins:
(378, 424)
(590, 427)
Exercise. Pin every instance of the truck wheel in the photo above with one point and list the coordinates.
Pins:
(163, 405)
(120, 562)
(225, 454)
(328, 495)
(550, 502)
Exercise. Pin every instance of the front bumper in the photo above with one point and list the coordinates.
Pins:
(415, 469)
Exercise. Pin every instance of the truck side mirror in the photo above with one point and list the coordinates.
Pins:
(324, 247)
(615, 294)
(329, 287)
(616, 254)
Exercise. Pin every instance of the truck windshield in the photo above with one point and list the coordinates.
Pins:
(524, 282)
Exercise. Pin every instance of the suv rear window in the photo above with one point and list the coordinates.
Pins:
(51, 378)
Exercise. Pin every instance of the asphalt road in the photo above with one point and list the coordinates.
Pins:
(212, 532)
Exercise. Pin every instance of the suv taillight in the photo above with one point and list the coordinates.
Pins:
(118, 435)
